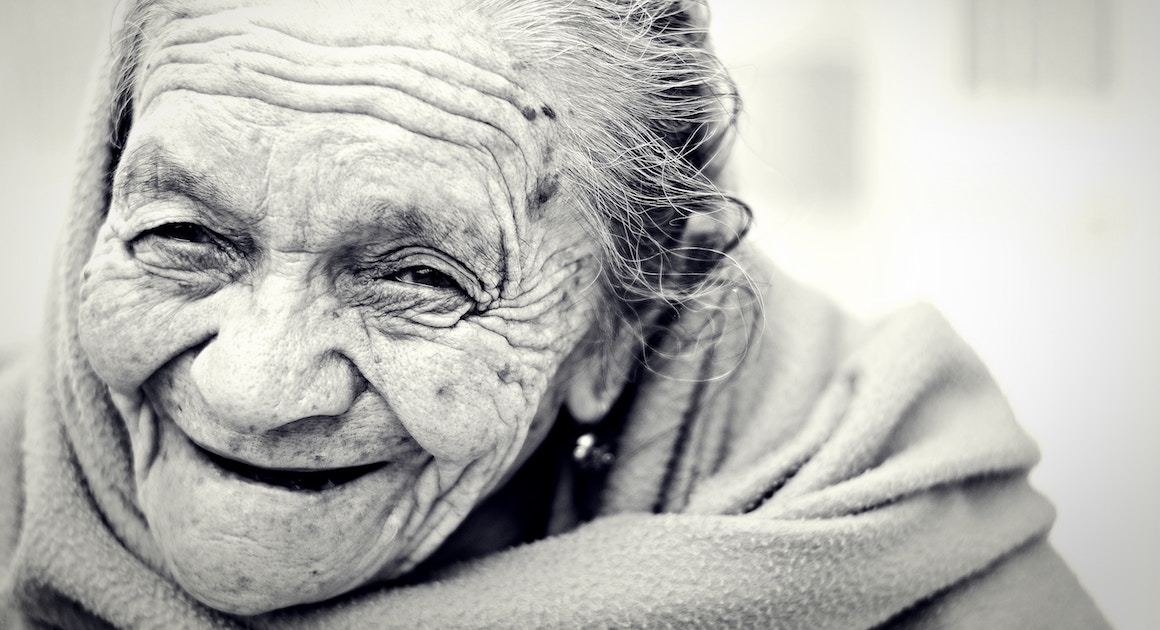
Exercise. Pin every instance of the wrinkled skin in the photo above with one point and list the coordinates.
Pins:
(312, 267)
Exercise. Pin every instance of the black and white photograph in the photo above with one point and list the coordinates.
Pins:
(796, 314)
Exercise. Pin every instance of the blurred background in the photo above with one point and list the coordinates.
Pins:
(999, 158)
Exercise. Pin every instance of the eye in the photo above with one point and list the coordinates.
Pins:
(422, 284)
(189, 248)
(187, 232)
(425, 276)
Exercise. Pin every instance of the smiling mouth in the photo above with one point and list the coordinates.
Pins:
(315, 480)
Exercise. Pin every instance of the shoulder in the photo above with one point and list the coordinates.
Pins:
(1030, 588)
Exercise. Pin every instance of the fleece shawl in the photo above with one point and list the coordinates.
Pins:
(779, 467)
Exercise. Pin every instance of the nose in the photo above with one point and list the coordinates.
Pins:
(273, 361)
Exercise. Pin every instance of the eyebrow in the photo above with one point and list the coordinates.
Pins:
(154, 172)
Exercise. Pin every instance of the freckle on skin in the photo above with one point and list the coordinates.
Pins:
(529, 113)
(545, 188)
(548, 111)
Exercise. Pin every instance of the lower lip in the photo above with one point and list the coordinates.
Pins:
(240, 545)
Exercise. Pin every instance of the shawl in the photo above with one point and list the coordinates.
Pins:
(780, 465)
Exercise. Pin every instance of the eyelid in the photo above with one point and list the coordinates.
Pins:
(210, 254)
(408, 257)
(223, 242)
(144, 206)
(152, 216)
(138, 219)
(166, 231)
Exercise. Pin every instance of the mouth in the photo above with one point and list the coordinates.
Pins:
(311, 480)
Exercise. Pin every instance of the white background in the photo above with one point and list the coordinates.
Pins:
(883, 169)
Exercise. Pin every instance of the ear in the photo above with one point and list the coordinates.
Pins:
(598, 382)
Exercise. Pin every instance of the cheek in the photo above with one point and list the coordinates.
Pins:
(455, 404)
(131, 323)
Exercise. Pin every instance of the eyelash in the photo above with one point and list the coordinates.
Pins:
(187, 232)
(190, 247)
(185, 246)
(422, 275)
(426, 283)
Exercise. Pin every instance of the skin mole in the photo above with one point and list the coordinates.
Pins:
(548, 111)
(546, 188)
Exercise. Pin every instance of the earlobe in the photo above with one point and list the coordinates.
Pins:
(596, 385)
(588, 401)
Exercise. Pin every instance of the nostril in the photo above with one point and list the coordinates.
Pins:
(259, 388)
(359, 384)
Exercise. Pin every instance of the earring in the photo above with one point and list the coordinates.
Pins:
(591, 455)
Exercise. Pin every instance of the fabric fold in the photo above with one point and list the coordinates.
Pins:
(781, 466)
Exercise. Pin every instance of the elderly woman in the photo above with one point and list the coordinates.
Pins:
(385, 313)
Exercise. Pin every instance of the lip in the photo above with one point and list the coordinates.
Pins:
(298, 479)
(236, 542)
(293, 476)
(289, 480)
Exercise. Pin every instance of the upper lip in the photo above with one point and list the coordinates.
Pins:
(312, 457)
(312, 447)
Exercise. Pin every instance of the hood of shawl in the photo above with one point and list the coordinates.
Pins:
(792, 413)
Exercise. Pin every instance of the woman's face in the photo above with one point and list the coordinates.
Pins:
(333, 293)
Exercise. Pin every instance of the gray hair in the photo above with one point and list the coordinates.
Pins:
(653, 114)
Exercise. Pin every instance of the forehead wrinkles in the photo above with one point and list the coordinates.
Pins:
(426, 91)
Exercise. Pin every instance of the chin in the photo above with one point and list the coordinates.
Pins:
(246, 541)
